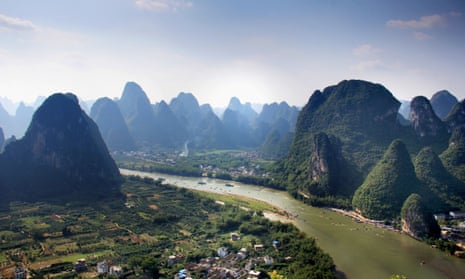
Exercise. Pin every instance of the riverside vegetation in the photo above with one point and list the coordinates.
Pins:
(142, 228)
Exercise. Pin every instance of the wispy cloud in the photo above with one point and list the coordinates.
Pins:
(8, 23)
(424, 22)
(163, 5)
(366, 50)
(368, 65)
(420, 36)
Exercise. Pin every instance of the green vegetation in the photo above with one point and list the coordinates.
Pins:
(239, 165)
(454, 156)
(141, 231)
(387, 186)
(442, 191)
(417, 220)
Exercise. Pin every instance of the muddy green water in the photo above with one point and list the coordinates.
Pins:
(360, 251)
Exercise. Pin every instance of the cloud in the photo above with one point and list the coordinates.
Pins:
(369, 65)
(8, 23)
(420, 36)
(424, 22)
(366, 50)
(163, 5)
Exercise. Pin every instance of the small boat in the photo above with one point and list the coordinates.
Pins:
(202, 182)
(228, 185)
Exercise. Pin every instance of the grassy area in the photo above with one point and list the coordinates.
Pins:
(251, 204)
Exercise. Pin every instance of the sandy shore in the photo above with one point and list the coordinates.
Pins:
(359, 218)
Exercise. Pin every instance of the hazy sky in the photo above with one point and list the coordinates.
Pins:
(258, 50)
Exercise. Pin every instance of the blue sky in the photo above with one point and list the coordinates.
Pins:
(260, 51)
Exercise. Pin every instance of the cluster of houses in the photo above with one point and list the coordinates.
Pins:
(103, 268)
(455, 231)
(227, 264)
(453, 215)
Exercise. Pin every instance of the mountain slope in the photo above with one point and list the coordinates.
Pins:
(443, 102)
(430, 130)
(442, 191)
(360, 113)
(417, 219)
(456, 117)
(138, 113)
(453, 157)
(107, 115)
(387, 186)
(61, 154)
(170, 132)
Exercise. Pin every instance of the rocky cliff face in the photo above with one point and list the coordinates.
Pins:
(456, 117)
(62, 153)
(326, 165)
(416, 219)
(424, 121)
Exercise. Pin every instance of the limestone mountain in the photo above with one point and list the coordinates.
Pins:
(387, 186)
(186, 107)
(360, 113)
(456, 117)
(417, 220)
(276, 144)
(273, 112)
(211, 132)
(453, 157)
(138, 113)
(360, 116)
(170, 132)
(426, 124)
(274, 128)
(244, 110)
(2, 139)
(238, 129)
(441, 190)
(107, 115)
(22, 119)
(6, 121)
(204, 128)
(443, 102)
(327, 172)
(404, 109)
(61, 154)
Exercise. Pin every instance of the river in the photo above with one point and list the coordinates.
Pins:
(359, 250)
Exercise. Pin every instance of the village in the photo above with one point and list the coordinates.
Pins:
(228, 164)
(453, 229)
(227, 264)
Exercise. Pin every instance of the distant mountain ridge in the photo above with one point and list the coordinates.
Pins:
(184, 120)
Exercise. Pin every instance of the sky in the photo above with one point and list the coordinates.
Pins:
(260, 51)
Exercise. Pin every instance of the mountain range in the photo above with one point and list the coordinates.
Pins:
(349, 143)
(136, 124)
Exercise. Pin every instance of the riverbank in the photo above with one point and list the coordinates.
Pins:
(360, 219)
(361, 251)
